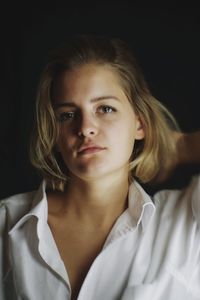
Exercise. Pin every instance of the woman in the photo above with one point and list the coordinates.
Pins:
(91, 231)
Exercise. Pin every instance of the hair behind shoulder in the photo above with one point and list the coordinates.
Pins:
(148, 154)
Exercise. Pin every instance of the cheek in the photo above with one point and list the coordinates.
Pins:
(128, 137)
(123, 136)
(64, 139)
(126, 130)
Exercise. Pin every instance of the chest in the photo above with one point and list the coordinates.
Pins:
(140, 265)
(78, 249)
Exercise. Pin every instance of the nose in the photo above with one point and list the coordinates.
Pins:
(88, 126)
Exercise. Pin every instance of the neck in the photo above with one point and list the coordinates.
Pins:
(97, 203)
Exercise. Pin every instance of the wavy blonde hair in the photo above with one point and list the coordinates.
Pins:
(148, 154)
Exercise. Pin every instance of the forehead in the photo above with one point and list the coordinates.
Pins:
(88, 78)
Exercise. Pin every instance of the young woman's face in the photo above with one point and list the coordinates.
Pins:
(98, 126)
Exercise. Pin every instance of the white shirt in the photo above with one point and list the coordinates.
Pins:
(152, 251)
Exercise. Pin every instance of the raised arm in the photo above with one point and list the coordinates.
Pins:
(187, 153)
(188, 148)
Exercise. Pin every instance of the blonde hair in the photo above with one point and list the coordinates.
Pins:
(148, 154)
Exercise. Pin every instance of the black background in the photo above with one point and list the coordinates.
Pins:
(166, 42)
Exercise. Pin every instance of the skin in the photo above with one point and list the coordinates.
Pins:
(96, 194)
(102, 177)
(187, 153)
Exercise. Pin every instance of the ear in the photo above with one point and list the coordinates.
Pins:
(140, 134)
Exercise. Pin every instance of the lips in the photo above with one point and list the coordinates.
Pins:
(90, 149)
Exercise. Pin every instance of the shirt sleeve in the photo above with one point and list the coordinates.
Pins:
(194, 194)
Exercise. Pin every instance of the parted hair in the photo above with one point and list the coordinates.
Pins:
(148, 155)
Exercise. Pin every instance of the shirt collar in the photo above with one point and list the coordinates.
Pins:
(38, 209)
(140, 206)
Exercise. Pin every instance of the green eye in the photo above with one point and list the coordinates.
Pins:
(107, 109)
(66, 116)
(70, 115)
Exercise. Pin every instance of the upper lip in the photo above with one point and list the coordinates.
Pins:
(89, 146)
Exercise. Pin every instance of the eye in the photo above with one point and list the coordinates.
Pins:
(107, 109)
(66, 116)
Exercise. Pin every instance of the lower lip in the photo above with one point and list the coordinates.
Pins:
(90, 151)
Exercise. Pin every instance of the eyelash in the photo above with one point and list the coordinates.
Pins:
(65, 116)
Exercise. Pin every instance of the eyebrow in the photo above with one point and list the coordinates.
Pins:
(93, 100)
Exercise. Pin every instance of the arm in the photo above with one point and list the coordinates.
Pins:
(188, 148)
(187, 153)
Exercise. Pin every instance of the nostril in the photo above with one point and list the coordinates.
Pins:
(86, 132)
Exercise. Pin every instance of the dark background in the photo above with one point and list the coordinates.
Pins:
(166, 42)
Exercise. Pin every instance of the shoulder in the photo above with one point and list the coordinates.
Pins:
(11, 210)
(14, 207)
(186, 199)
